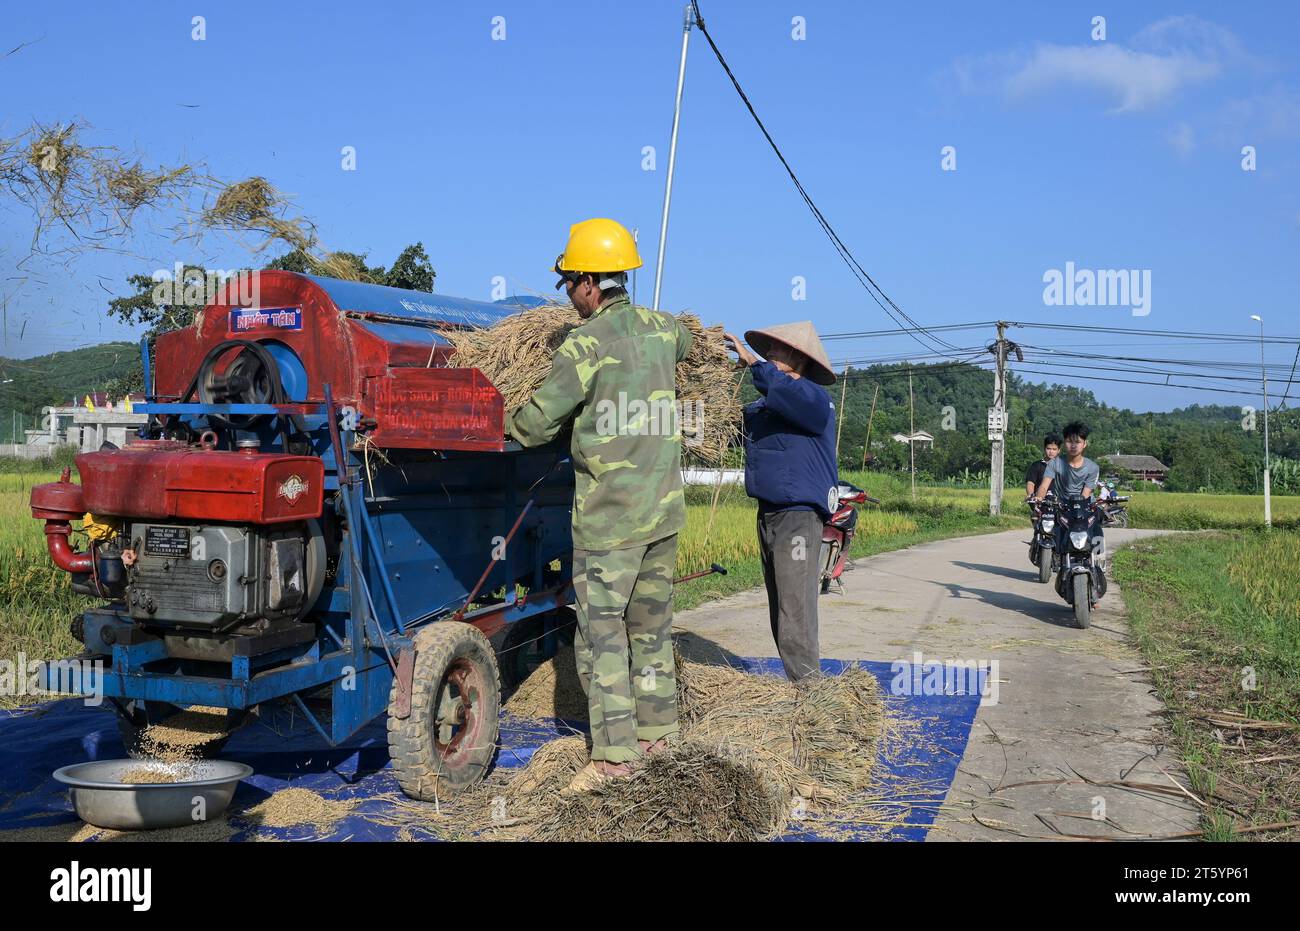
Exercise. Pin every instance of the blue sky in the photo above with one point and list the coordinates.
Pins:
(1118, 154)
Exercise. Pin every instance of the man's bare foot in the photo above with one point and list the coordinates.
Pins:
(594, 776)
(615, 770)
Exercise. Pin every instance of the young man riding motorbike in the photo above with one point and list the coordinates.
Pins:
(1080, 542)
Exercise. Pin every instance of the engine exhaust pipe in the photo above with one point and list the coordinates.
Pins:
(58, 504)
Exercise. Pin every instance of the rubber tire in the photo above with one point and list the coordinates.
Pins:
(131, 732)
(1121, 519)
(420, 768)
(1044, 566)
(1082, 607)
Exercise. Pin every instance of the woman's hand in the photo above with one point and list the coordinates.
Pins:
(747, 358)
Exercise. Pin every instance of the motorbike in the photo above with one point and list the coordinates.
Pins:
(837, 535)
(1113, 512)
(1079, 557)
(1042, 548)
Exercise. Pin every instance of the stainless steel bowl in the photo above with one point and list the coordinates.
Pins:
(101, 798)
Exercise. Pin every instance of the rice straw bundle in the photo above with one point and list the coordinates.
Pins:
(90, 191)
(516, 353)
(751, 746)
(134, 186)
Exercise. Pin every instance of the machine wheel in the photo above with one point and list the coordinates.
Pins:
(1082, 607)
(143, 714)
(1044, 566)
(447, 742)
(1121, 518)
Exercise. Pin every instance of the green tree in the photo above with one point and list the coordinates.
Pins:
(160, 304)
(412, 270)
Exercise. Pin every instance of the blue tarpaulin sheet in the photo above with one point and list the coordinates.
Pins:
(916, 770)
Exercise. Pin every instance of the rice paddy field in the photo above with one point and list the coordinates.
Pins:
(39, 604)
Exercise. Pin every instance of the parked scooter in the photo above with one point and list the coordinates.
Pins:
(837, 535)
(1113, 512)
(1042, 548)
(1080, 556)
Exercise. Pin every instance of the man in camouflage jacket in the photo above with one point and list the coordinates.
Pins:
(615, 378)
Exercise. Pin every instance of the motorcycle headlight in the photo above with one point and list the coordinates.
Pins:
(1079, 540)
(1048, 523)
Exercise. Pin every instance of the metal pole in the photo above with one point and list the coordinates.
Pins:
(672, 154)
(870, 418)
(997, 460)
(636, 238)
(839, 427)
(911, 439)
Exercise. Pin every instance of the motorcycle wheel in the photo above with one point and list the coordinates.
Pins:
(1044, 566)
(1121, 518)
(1082, 607)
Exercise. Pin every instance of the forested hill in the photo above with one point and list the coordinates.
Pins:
(1205, 446)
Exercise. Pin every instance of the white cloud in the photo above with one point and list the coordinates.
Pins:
(1161, 60)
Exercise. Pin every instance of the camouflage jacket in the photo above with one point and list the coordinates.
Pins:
(615, 376)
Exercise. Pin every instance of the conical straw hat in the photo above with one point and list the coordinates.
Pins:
(798, 336)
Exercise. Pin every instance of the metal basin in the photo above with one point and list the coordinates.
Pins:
(101, 798)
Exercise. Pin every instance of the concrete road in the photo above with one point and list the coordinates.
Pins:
(1072, 705)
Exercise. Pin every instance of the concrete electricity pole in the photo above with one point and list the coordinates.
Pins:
(997, 423)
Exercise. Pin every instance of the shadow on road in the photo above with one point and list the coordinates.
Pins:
(1025, 575)
(1046, 610)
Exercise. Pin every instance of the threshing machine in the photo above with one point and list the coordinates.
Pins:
(319, 510)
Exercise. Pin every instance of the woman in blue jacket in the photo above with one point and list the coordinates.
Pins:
(790, 468)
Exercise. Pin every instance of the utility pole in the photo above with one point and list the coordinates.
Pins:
(1268, 502)
(998, 420)
(870, 417)
(839, 427)
(672, 152)
(911, 437)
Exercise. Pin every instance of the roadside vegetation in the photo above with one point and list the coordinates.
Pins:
(1217, 617)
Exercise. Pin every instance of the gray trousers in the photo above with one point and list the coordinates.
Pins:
(790, 544)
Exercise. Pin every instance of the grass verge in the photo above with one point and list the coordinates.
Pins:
(1217, 617)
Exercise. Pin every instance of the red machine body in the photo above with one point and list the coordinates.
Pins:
(165, 480)
(389, 364)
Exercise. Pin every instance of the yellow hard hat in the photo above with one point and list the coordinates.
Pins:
(598, 245)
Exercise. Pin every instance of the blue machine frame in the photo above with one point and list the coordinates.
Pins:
(439, 519)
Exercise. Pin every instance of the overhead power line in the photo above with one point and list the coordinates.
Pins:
(1173, 334)
(896, 313)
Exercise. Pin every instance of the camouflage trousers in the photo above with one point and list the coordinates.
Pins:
(623, 645)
